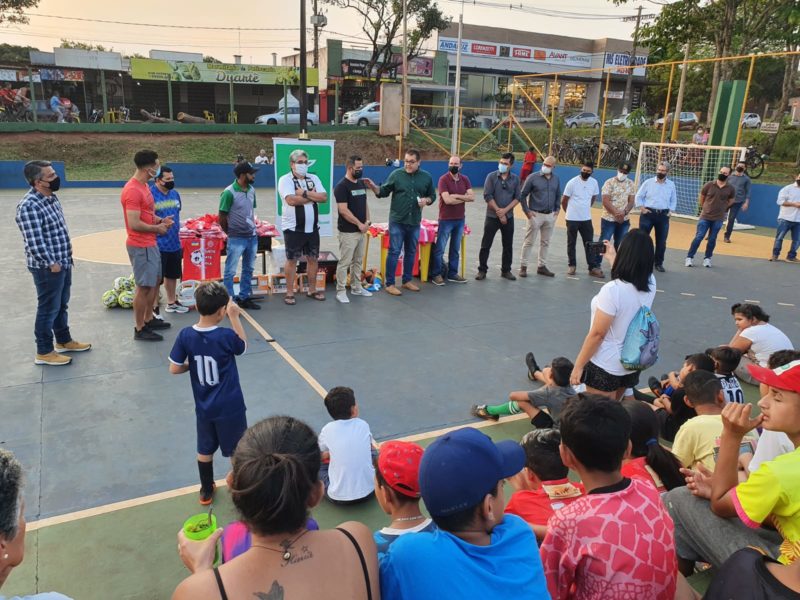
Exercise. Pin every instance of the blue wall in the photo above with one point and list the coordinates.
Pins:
(763, 208)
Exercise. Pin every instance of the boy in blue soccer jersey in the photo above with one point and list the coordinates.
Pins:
(208, 352)
(168, 204)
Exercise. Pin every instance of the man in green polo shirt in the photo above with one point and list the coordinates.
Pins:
(411, 189)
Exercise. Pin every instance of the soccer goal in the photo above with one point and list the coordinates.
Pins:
(690, 168)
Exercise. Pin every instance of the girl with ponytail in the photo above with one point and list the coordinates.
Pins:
(647, 459)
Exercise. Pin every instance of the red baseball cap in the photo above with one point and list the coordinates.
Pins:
(398, 463)
(786, 377)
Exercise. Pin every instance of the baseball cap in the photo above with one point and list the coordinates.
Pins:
(398, 463)
(244, 167)
(461, 467)
(786, 377)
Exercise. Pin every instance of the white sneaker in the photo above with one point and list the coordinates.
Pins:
(177, 307)
(342, 297)
(361, 292)
(707, 263)
(157, 315)
(689, 262)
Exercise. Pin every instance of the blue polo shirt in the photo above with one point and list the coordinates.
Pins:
(168, 205)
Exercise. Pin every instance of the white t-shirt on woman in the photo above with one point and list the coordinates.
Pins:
(766, 339)
(621, 300)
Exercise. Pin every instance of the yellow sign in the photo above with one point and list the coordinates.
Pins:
(199, 72)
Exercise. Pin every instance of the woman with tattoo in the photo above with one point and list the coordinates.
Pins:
(274, 484)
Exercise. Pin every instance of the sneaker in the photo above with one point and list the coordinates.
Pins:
(707, 263)
(342, 297)
(661, 269)
(206, 496)
(530, 361)
(688, 262)
(480, 276)
(571, 271)
(793, 259)
(509, 275)
(177, 307)
(457, 279)
(523, 271)
(393, 291)
(360, 292)
(248, 303)
(774, 258)
(597, 272)
(54, 359)
(411, 286)
(157, 314)
(479, 410)
(655, 386)
(438, 280)
(727, 240)
(545, 271)
(156, 324)
(146, 335)
(73, 346)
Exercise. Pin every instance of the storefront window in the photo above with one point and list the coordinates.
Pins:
(574, 97)
(527, 93)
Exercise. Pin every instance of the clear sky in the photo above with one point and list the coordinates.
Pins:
(589, 18)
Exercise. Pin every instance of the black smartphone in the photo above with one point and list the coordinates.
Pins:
(596, 247)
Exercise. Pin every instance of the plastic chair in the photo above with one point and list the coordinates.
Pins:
(233, 117)
(208, 116)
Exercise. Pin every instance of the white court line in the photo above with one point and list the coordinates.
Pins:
(687, 294)
(719, 297)
(785, 304)
(573, 278)
(752, 301)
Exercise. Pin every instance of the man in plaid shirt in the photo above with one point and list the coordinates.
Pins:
(48, 250)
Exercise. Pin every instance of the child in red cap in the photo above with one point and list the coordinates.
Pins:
(397, 490)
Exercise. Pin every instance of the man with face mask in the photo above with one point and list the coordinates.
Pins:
(788, 220)
(237, 218)
(168, 204)
(579, 195)
(143, 226)
(618, 196)
(351, 203)
(716, 198)
(540, 199)
(48, 250)
(657, 199)
(454, 190)
(501, 190)
(741, 182)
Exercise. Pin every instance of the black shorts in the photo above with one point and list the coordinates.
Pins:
(299, 244)
(223, 434)
(171, 264)
(600, 379)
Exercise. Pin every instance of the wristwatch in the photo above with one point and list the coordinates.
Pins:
(305, 194)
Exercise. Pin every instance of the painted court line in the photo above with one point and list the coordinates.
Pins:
(687, 294)
(785, 304)
(752, 301)
(719, 297)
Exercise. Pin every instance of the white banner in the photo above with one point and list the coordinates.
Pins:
(532, 54)
(616, 60)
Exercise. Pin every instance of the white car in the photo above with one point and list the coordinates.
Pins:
(368, 114)
(292, 117)
(751, 121)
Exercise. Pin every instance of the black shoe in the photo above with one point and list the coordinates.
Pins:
(146, 335)
(249, 303)
(481, 275)
(655, 386)
(660, 268)
(508, 275)
(156, 324)
(532, 366)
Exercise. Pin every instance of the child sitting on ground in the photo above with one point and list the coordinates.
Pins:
(397, 491)
(647, 459)
(542, 486)
(209, 353)
(617, 541)
(542, 405)
(346, 445)
(726, 360)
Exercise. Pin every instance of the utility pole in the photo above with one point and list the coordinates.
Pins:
(632, 62)
(454, 149)
(316, 36)
(303, 79)
(406, 108)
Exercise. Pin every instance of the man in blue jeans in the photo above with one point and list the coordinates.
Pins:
(454, 190)
(237, 218)
(411, 189)
(657, 199)
(716, 198)
(788, 220)
(48, 250)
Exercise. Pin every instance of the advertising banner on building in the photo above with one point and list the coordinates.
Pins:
(533, 54)
(320, 163)
(61, 74)
(616, 60)
(200, 72)
(361, 69)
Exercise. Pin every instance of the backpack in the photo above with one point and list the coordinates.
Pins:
(640, 349)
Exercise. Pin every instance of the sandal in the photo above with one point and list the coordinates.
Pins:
(316, 295)
(289, 300)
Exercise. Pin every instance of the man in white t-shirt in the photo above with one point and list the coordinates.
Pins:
(301, 194)
(788, 220)
(579, 195)
(346, 444)
(262, 158)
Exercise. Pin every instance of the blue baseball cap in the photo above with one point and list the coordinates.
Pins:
(461, 467)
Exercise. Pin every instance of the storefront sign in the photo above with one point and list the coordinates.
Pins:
(360, 69)
(61, 75)
(615, 61)
(163, 70)
(551, 56)
(8, 75)
(420, 67)
(618, 95)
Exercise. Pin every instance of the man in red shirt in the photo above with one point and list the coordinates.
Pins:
(7, 95)
(454, 190)
(142, 226)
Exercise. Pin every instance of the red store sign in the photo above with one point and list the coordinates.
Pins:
(484, 49)
(521, 53)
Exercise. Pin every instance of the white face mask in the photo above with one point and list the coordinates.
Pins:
(301, 169)
(546, 170)
(622, 176)
(502, 168)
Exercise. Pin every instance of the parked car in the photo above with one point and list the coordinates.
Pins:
(368, 114)
(629, 120)
(292, 117)
(751, 121)
(584, 119)
(688, 120)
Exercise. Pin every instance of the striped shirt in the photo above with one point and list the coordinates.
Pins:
(303, 218)
(44, 231)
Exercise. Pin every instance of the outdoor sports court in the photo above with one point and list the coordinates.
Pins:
(115, 428)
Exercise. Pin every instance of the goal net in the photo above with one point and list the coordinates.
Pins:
(690, 168)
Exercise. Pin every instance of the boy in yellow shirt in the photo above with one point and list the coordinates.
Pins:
(697, 437)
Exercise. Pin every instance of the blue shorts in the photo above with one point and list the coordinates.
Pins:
(221, 434)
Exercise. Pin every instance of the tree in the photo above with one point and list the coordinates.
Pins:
(11, 54)
(83, 46)
(13, 11)
(210, 59)
(382, 22)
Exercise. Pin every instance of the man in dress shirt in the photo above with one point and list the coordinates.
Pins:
(540, 199)
(657, 200)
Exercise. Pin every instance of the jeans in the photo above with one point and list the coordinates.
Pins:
(587, 235)
(732, 212)
(612, 229)
(705, 226)
(490, 228)
(246, 249)
(52, 292)
(405, 237)
(452, 229)
(785, 227)
(661, 224)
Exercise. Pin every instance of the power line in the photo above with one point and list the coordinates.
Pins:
(544, 12)
(216, 28)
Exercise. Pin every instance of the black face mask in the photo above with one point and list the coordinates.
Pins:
(585, 176)
(168, 184)
(722, 177)
(358, 173)
(661, 175)
(454, 170)
(740, 169)
(55, 184)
